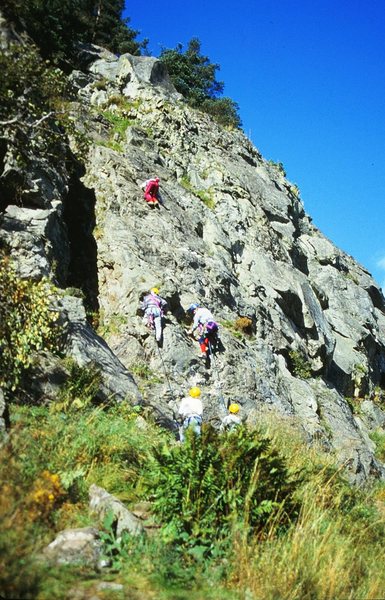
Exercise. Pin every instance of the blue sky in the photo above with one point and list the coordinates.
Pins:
(309, 78)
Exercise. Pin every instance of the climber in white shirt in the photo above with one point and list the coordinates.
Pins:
(190, 411)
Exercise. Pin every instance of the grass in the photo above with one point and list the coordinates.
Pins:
(206, 196)
(378, 437)
(333, 549)
(145, 373)
(111, 325)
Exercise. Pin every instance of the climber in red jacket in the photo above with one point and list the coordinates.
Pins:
(151, 191)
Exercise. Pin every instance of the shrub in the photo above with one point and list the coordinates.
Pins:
(194, 76)
(119, 123)
(278, 166)
(80, 389)
(27, 322)
(244, 324)
(240, 327)
(224, 111)
(299, 365)
(212, 483)
(57, 26)
(378, 437)
(36, 118)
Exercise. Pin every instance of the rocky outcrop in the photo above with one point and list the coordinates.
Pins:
(81, 547)
(103, 504)
(233, 235)
(88, 546)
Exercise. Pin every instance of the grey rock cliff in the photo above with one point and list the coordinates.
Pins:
(234, 236)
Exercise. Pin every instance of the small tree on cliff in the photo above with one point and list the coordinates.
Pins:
(194, 76)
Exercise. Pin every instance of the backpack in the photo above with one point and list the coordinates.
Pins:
(211, 328)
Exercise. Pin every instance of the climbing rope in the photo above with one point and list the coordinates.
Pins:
(175, 420)
(165, 372)
(212, 359)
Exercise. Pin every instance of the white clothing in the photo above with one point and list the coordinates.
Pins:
(190, 406)
(201, 317)
(230, 421)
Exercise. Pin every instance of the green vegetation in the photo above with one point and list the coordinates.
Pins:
(378, 397)
(28, 323)
(80, 388)
(378, 437)
(56, 26)
(119, 124)
(299, 365)
(147, 375)
(110, 325)
(194, 76)
(240, 327)
(220, 484)
(227, 324)
(278, 166)
(255, 512)
(120, 114)
(36, 118)
(294, 189)
(205, 195)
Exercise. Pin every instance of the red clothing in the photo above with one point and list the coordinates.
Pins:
(151, 191)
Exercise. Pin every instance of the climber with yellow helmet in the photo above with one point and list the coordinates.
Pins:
(232, 419)
(154, 308)
(190, 412)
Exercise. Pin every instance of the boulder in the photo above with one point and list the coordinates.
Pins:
(79, 547)
(103, 504)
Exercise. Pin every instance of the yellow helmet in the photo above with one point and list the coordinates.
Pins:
(155, 290)
(234, 408)
(195, 392)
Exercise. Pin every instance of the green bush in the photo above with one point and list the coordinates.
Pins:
(213, 484)
(223, 110)
(209, 489)
(36, 118)
(28, 323)
(378, 437)
(56, 26)
(299, 365)
(194, 76)
(80, 389)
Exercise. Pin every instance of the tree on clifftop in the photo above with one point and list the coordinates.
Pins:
(194, 76)
(57, 25)
(111, 31)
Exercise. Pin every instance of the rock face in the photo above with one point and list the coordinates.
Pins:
(302, 324)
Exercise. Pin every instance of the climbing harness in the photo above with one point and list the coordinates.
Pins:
(213, 362)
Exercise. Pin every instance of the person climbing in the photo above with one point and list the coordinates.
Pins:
(151, 192)
(232, 419)
(154, 308)
(203, 320)
(190, 411)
